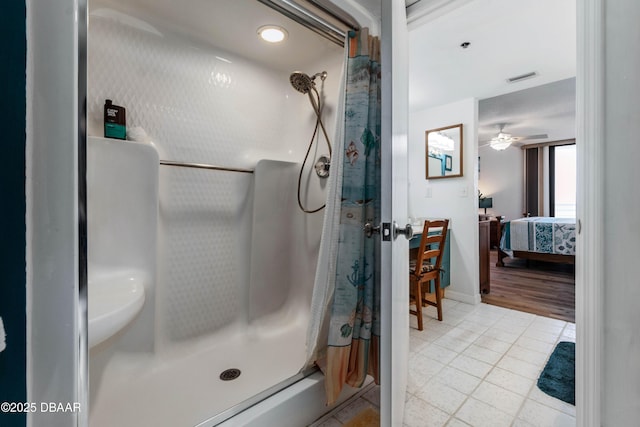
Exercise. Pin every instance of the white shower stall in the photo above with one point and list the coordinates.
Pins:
(230, 278)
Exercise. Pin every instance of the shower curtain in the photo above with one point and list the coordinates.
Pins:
(346, 300)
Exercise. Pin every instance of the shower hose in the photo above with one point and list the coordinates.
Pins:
(316, 103)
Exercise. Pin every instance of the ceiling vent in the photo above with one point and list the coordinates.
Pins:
(522, 77)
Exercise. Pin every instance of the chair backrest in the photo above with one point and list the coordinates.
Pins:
(432, 241)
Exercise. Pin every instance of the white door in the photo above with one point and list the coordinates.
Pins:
(395, 249)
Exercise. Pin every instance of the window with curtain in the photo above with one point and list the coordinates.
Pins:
(550, 187)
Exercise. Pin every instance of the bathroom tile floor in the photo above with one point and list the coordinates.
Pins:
(478, 367)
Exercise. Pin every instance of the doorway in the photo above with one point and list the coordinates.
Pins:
(419, 188)
(532, 187)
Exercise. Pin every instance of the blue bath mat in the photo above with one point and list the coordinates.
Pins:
(558, 378)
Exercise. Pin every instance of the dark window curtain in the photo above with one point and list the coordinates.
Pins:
(531, 182)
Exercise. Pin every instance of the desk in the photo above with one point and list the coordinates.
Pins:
(414, 244)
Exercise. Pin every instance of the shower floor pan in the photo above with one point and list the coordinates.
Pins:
(182, 387)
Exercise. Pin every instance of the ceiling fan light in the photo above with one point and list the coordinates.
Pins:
(500, 144)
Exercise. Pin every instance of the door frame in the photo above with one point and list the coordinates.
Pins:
(394, 340)
(590, 213)
(56, 285)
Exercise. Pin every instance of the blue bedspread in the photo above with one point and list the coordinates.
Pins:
(540, 234)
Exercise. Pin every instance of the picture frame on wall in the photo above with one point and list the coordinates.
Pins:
(447, 162)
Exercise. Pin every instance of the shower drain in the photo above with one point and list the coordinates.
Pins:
(230, 374)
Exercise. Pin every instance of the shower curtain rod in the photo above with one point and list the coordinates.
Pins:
(312, 19)
(203, 166)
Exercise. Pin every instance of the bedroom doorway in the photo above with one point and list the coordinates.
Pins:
(532, 187)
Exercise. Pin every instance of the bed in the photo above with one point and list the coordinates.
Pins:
(538, 238)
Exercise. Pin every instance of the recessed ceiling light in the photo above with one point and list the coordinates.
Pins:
(272, 33)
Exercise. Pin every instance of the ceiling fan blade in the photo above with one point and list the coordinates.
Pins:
(514, 143)
(488, 144)
(530, 137)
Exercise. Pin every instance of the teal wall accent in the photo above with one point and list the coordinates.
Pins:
(13, 48)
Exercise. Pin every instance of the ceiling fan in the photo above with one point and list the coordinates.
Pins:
(503, 140)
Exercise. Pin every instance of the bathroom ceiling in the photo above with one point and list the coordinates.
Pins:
(507, 38)
(230, 25)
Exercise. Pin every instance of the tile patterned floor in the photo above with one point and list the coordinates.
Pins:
(478, 367)
(368, 397)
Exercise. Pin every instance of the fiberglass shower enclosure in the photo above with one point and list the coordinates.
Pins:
(230, 270)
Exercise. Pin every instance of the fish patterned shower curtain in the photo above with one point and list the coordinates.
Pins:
(354, 322)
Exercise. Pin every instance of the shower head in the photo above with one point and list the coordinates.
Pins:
(302, 82)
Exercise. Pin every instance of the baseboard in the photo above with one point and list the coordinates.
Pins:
(466, 298)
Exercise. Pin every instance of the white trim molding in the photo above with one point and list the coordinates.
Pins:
(423, 11)
(590, 212)
(57, 369)
(461, 297)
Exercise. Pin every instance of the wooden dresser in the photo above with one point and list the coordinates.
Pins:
(496, 231)
(485, 239)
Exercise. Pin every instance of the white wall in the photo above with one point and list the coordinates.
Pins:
(501, 177)
(453, 198)
(621, 349)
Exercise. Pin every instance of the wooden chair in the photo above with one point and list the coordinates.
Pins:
(429, 260)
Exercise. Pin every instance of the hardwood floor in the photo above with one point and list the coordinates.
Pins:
(546, 289)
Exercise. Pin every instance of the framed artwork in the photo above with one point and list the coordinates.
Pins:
(447, 162)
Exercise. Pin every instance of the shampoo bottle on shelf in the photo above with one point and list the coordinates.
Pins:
(115, 121)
